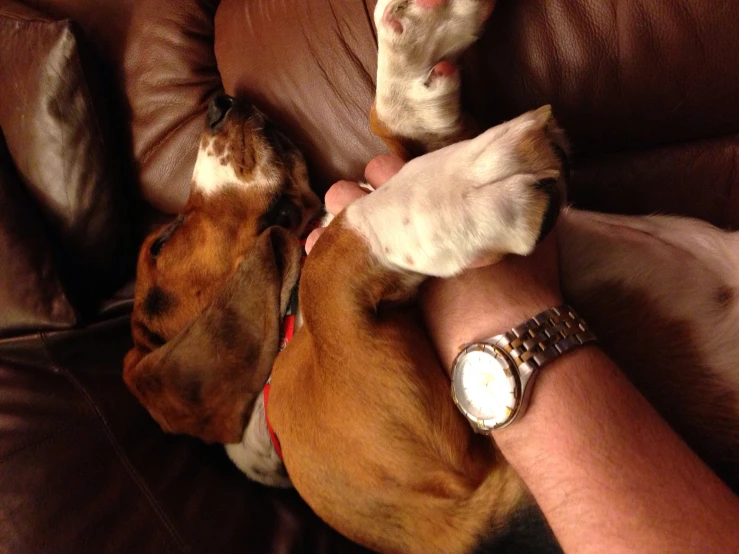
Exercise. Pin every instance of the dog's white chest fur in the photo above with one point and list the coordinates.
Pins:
(255, 455)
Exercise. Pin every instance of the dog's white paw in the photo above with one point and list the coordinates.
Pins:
(418, 81)
(483, 198)
(426, 31)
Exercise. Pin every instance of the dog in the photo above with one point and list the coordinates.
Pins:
(359, 404)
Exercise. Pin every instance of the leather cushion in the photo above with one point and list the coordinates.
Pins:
(156, 58)
(84, 468)
(695, 179)
(621, 74)
(171, 74)
(54, 121)
(31, 295)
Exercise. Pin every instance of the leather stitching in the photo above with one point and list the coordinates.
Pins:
(158, 509)
(151, 150)
(368, 13)
(39, 441)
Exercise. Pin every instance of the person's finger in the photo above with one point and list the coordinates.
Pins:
(341, 194)
(381, 168)
(312, 238)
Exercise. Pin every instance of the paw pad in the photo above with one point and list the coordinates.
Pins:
(430, 4)
(391, 14)
(443, 69)
(439, 71)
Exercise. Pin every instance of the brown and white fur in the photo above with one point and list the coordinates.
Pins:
(370, 437)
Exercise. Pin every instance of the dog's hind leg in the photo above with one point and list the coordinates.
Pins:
(417, 104)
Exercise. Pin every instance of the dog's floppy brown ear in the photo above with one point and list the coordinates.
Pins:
(205, 380)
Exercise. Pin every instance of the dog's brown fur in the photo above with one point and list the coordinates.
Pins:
(438, 480)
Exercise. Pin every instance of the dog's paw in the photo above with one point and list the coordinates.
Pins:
(418, 82)
(426, 30)
(483, 198)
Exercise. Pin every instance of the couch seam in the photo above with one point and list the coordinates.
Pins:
(92, 105)
(651, 146)
(30, 444)
(123, 459)
(370, 20)
(35, 20)
(151, 150)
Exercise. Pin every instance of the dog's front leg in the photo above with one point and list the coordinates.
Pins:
(482, 198)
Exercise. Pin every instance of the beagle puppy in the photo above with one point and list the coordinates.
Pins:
(358, 401)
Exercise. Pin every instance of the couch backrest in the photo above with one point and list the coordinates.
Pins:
(103, 104)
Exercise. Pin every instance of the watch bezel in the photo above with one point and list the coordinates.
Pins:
(486, 425)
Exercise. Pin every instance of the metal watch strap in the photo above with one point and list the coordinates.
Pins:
(544, 337)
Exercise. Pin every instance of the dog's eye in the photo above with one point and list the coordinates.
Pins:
(285, 214)
(156, 246)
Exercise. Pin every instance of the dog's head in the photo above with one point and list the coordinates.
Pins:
(213, 285)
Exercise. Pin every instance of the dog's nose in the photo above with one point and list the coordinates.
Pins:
(218, 109)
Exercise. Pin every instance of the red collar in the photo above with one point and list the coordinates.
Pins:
(272, 435)
(288, 329)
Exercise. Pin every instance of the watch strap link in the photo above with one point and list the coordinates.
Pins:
(544, 337)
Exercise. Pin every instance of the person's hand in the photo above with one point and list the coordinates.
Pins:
(343, 193)
(481, 302)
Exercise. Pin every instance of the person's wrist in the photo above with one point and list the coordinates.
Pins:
(560, 413)
(474, 307)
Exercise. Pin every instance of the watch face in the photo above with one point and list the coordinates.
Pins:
(485, 386)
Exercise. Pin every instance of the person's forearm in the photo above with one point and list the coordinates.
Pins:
(607, 471)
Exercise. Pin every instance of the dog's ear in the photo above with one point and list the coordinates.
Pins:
(205, 380)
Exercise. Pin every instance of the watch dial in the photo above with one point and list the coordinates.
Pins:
(488, 386)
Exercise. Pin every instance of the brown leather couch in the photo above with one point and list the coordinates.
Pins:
(101, 105)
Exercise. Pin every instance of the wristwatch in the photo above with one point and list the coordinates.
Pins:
(492, 379)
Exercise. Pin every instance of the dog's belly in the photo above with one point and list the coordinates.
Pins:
(662, 294)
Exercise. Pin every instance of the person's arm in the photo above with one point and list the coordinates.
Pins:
(606, 470)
